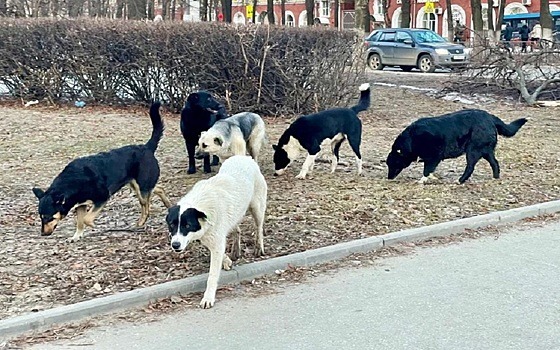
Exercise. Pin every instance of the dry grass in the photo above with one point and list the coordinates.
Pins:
(43, 272)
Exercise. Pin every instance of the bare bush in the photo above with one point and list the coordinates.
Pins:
(499, 69)
(272, 70)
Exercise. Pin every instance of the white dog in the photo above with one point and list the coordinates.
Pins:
(213, 208)
(236, 135)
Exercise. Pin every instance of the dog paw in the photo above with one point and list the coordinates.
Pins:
(300, 176)
(258, 252)
(191, 171)
(73, 239)
(207, 303)
(226, 263)
(423, 180)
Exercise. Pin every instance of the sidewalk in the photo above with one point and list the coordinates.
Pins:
(483, 294)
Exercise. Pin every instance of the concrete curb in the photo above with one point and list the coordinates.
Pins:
(35, 321)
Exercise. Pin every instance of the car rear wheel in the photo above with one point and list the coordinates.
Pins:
(374, 62)
(426, 64)
(407, 68)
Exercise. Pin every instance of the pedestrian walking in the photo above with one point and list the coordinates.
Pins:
(508, 34)
(524, 34)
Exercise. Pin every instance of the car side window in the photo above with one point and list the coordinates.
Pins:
(402, 36)
(374, 37)
(388, 37)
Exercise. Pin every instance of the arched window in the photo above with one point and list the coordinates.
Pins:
(239, 18)
(263, 17)
(459, 15)
(290, 21)
(396, 18)
(302, 21)
(429, 21)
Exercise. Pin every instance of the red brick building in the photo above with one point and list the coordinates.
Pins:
(296, 14)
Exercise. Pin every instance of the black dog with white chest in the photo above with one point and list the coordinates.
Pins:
(200, 112)
(87, 183)
(307, 133)
(473, 132)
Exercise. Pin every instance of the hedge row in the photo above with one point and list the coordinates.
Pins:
(267, 69)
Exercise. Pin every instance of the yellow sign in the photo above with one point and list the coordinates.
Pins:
(429, 7)
(249, 11)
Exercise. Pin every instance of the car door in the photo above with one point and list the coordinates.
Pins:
(404, 53)
(386, 46)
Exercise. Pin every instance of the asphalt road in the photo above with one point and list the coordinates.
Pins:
(487, 293)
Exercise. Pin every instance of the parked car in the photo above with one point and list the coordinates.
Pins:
(409, 48)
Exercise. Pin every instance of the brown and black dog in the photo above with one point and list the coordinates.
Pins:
(87, 183)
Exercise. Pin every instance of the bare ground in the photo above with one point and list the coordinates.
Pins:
(44, 272)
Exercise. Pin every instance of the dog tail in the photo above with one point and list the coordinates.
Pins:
(365, 99)
(509, 130)
(157, 124)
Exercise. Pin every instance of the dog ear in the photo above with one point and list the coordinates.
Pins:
(39, 193)
(274, 147)
(218, 141)
(172, 213)
(200, 215)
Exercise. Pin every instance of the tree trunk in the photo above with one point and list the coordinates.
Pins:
(361, 10)
(226, 10)
(367, 18)
(120, 8)
(283, 12)
(151, 9)
(449, 10)
(270, 11)
(137, 9)
(386, 17)
(546, 21)
(44, 8)
(478, 25)
(3, 8)
(500, 19)
(336, 10)
(405, 14)
(204, 10)
(490, 14)
(74, 7)
(173, 9)
(164, 12)
(55, 8)
(310, 8)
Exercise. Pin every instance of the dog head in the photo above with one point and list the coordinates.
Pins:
(185, 225)
(203, 100)
(210, 142)
(51, 210)
(285, 154)
(400, 157)
(281, 160)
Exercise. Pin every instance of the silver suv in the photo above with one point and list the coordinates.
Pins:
(409, 48)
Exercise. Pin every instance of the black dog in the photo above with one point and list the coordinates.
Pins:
(89, 182)
(307, 133)
(200, 112)
(472, 132)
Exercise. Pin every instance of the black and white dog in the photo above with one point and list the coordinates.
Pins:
(87, 183)
(200, 112)
(213, 208)
(308, 132)
(235, 135)
(473, 132)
